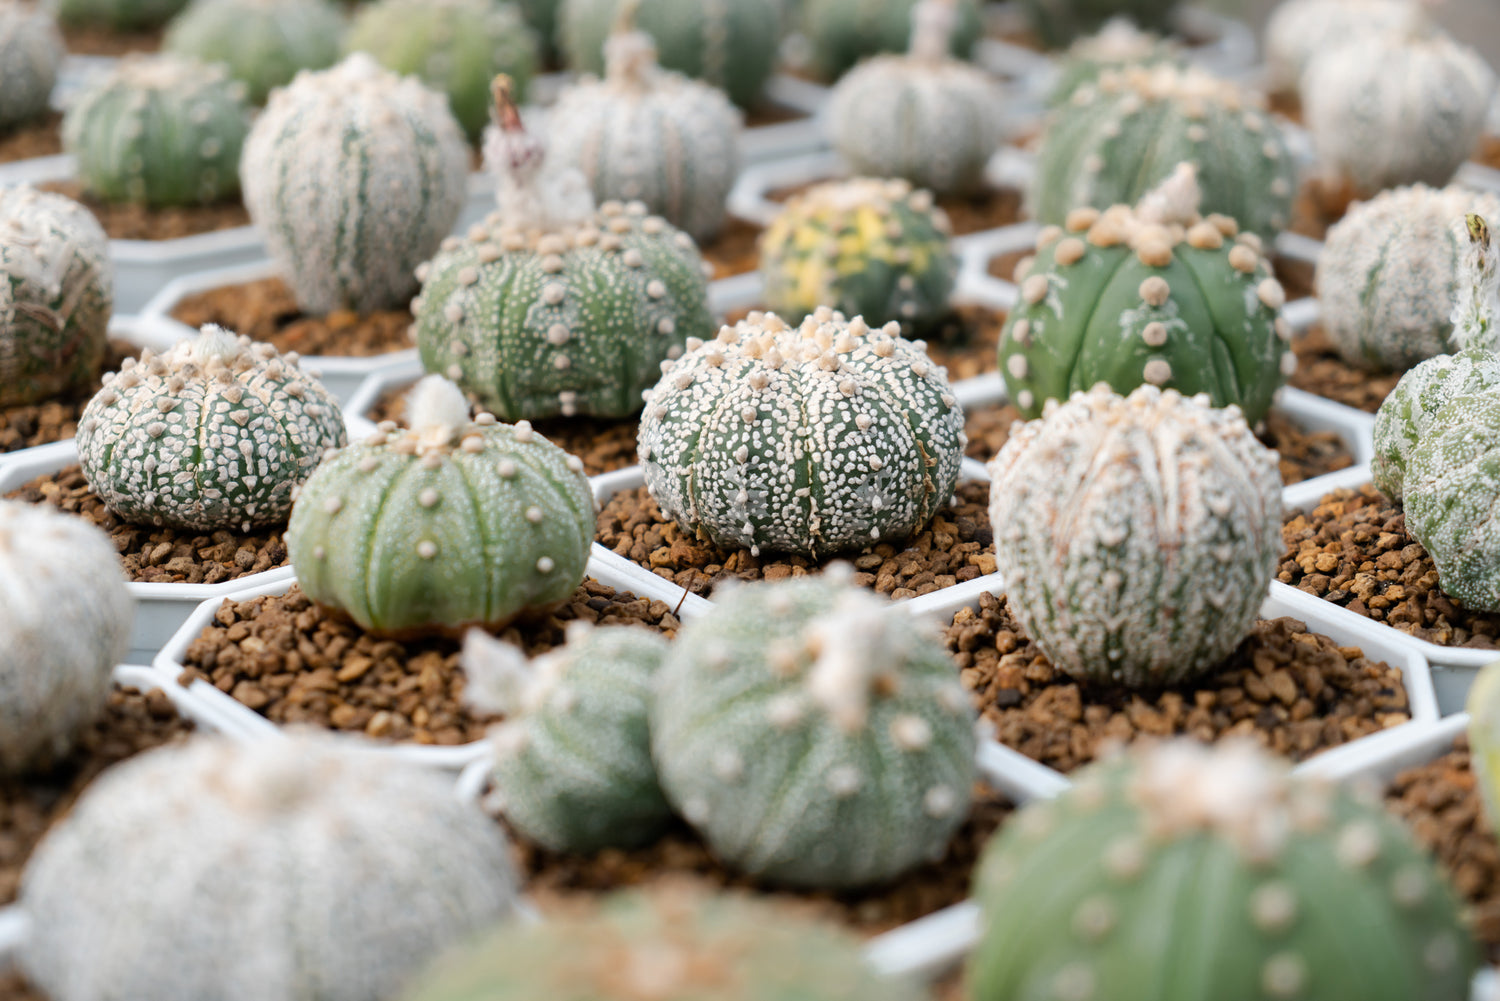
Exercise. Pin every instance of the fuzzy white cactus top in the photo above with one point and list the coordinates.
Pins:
(1119, 41)
(1478, 301)
(1192, 85)
(533, 198)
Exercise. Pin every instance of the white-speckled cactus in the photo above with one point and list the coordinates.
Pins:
(296, 869)
(650, 135)
(1398, 107)
(263, 42)
(925, 116)
(816, 439)
(572, 767)
(30, 52)
(56, 295)
(812, 735)
(1136, 535)
(354, 175)
(1388, 274)
(1297, 30)
(66, 617)
(450, 524)
(216, 433)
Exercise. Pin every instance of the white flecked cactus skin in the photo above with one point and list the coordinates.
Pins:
(1400, 107)
(449, 524)
(66, 616)
(1136, 535)
(354, 175)
(56, 295)
(572, 767)
(30, 52)
(815, 439)
(925, 116)
(216, 433)
(263, 42)
(291, 869)
(812, 736)
(1299, 29)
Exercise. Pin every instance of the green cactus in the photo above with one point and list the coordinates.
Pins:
(1119, 44)
(812, 736)
(572, 766)
(872, 248)
(116, 15)
(1058, 22)
(541, 15)
(1173, 515)
(31, 51)
(1483, 707)
(1249, 885)
(159, 130)
(843, 32)
(552, 307)
(56, 294)
(263, 42)
(1151, 295)
(453, 523)
(1124, 134)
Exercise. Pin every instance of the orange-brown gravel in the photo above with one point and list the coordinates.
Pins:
(266, 310)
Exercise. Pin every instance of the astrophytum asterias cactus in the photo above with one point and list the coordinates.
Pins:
(842, 32)
(1114, 47)
(31, 51)
(264, 43)
(1297, 30)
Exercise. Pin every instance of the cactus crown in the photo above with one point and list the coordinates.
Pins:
(932, 25)
(532, 199)
(1478, 285)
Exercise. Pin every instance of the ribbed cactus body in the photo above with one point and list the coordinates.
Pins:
(1194, 872)
(1059, 22)
(1121, 136)
(1137, 535)
(30, 52)
(871, 248)
(447, 525)
(354, 176)
(1118, 45)
(66, 616)
(1297, 30)
(454, 46)
(119, 15)
(816, 439)
(813, 736)
(843, 32)
(216, 433)
(56, 294)
(291, 869)
(263, 42)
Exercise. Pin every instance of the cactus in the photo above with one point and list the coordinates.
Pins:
(216, 433)
(1116, 46)
(731, 44)
(730, 449)
(1136, 536)
(66, 616)
(843, 32)
(1154, 294)
(872, 248)
(813, 736)
(450, 524)
(552, 307)
(1058, 22)
(1402, 106)
(925, 117)
(354, 176)
(1388, 275)
(1123, 135)
(1251, 884)
(649, 135)
(117, 15)
(572, 763)
(455, 46)
(294, 869)
(30, 52)
(1299, 29)
(1484, 729)
(55, 297)
(263, 42)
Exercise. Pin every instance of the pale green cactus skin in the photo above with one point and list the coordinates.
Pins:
(30, 52)
(263, 42)
(56, 294)
(1117, 45)
(813, 736)
(1169, 504)
(572, 767)
(444, 526)
(120, 15)
(159, 130)
(1412, 410)
(1316, 892)
(843, 32)
(1483, 706)
(542, 16)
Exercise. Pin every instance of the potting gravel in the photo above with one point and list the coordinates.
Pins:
(129, 221)
(40, 138)
(53, 420)
(1295, 691)
(735, 250)
(93, 39)
(266, 310)
(1322, 371)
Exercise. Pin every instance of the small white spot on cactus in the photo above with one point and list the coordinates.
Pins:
(1017, 366)
(747, 415)
(911, 733)
(1078, 220)
(1048, 235)
(1283, 975)
(1358, 845)
(319, 552)
(877, 463)
(1196, 133)
(1283, 330)
(428, 497)
(1074, 982)
(1441, 953)
(843, 781)
(506, 468)
(1093, 163)
(1069, 251)
(1025, 399)
(455, 371)
(727, 765)
(1288, 364)
(427, 549)
(333, 504)
(1409, 887)
(1270, 150)
(1094, 919)
(1125, 859)
(545, 565)
(561, 362)
(632, 258)
(784, 711)
(453, 313)
(1273, 907)
(656, 288)
(939, 802)
(574, 463)
(552, 264)
(1034, 289)
(1280, 188)
(523, 432)
(534, 515)
(1154, 333)
(1224, 224)
(1204, 236)
(1155, 291)
(1271, 293)
(695, 810)
(554, 293)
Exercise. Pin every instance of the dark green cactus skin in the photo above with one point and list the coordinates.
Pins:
(843, 32)
(1059, 22)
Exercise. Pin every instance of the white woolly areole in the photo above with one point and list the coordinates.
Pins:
(170, 73)
(1118, 41)
(437, 410)
(215, 344)
(852, 641)
(531, 194)
(1174, 201)
(500, 678)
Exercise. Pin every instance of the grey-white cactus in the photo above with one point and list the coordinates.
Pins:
(30, 52)
(1300, 29)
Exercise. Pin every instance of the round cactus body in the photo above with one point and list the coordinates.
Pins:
(1483, 707)
(354, 176)
(1124, 134)
(1151, 295)
(30, 52)
(56, 294)
(451, 524)
(294, 869)
(263, 42)
(843, 32)
(117, 15)
(455, 46)
(731, 44)
(1411, 410)
(1137, 536)
(1297, 30)
(66, 616)
(1119, 44)
(816, 439)
(871, 248)
(572, 765)
(813, 736)
(1250, 885)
